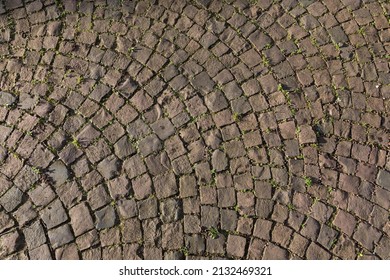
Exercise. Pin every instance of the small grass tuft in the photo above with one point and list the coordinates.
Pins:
(308, 181)
(36, 170)
(184, 250)
(213, 233)
(76, 142)
(236, 117)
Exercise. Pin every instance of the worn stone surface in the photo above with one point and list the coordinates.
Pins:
(7, 99)
(194, 129)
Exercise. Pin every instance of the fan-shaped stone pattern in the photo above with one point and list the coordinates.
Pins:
(194, 129)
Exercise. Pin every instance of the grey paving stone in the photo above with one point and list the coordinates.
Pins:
(7, 99)
(10, 243)
(11, 199)
(147, 208)
(171, 210)
(109, 167)
(60, 236)
(383, 179)
(41, 253)
(165, 185)
(54, 214)
(105, 218)
(163, 128)
(34, 235)
(5, 222)
(80, 219)
(58, 173)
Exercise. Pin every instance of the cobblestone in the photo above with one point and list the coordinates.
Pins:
(196, 129)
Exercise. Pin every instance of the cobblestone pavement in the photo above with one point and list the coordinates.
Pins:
(194, 129)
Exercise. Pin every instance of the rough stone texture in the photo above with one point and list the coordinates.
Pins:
(383, 179)
(54, 214)
(194, 129)
(236, 246)
(105, 218)
(58, 173)
(35, 235)
(11, 199)
(6, 99)
(80, 219)
(60, 236)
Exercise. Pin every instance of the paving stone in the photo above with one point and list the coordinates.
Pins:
(10, 243)
(147, 208)
(34, 235)
(150, 144)
(69, 154)
(157, 164)
(165, 185)
(163, 128)
(191, 224)
(142, 186)
(134, 166)
(259, 40)
(80, 219)
(274, 252)
(54, 214)
(203, 172)
(345, 248)
(174, 147)
(58, 173)
(307, 135)
(41, 253)
(25, 213)
(171, 210)
(69, 194)
(132, 230)
(236, 246)
(127, 208)
(87, 240)
(315, 252)
(209, 216)
(5, 222)
(105, 218)
(383, 179)
(203, 83)
(383, 248)
(327, 237)
(310, 228)
(187, 186)
(262, 229)
(41, 157)
(345, 221)
(152, 231)
(299, 245)
(109, 167)
(118, 187)
(367, 235)
(256, 249)
(216, 101)
(172, 236)
(7, 99)
(60, 236)
(98, 197)
(151, 253)
(11, 199)
(68, 252)
(124, 148)
(195, 244)
(87, 135)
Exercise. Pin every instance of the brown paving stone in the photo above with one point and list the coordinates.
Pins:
(213, 119)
